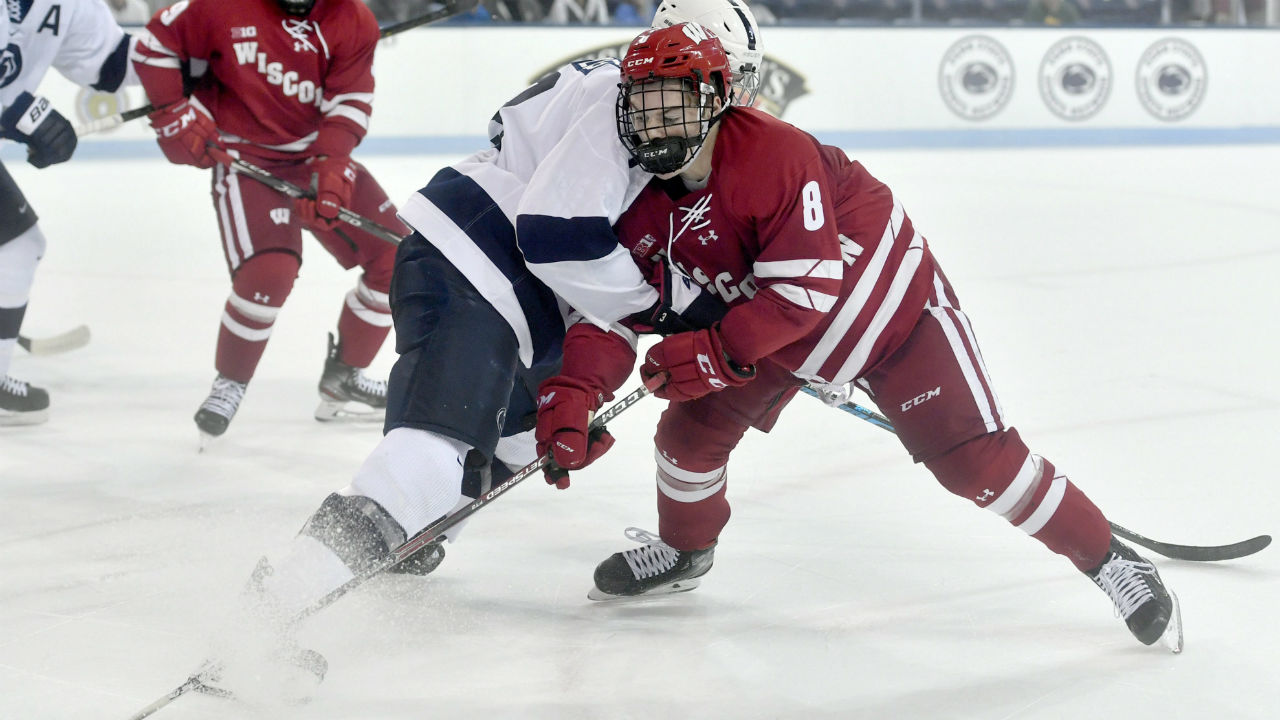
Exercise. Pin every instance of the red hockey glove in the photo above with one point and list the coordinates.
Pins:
(565, 407)
(333, 179)
(694, 364)
(184, 132)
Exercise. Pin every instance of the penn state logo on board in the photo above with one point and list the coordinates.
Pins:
(780, 83)
(95, 104)
(975, 77)
(1172, 79)
(1075, 78)
(10, 64)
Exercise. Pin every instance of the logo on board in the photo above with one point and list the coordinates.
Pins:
(1171, 79)
(976, 77)
(1075, 78)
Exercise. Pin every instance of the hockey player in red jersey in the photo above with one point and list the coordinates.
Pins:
(288, 86)
(827, 282)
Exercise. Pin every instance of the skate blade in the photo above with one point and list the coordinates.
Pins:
(672, 588)
(1172, 637)
(207, 441)
(35, 417)
(349, 412)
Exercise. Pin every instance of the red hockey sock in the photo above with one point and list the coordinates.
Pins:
(692, 525)
(363, 325)
(258, 291)
(997, 472)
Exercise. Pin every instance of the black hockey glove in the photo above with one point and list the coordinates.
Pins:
(682, 304)
(31, 120)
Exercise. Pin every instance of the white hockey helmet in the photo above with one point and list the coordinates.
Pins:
(733, 23)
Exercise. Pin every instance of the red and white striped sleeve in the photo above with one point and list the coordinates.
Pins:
(173, 36)
(348, 83)
(798, 270)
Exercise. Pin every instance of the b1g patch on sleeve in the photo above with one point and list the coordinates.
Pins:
(644, 248)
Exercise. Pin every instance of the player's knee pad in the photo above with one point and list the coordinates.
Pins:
(18, 260)
(266, 279)
(357, 529)
(995, 471)
(415, 475)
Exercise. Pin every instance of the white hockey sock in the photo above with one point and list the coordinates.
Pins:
(415, 475)
(18, 260)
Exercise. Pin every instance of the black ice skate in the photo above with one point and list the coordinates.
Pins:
(1149, 608)
(21, 404)
(342, 384)
(654, 568)
(216, 411)
(423, 561)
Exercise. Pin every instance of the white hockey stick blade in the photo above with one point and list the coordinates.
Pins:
(73, 339)
(1172, 637)
(679, 586)
(341, 411)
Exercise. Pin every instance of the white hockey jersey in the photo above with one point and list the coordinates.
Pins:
(78, 38)
(528, 221)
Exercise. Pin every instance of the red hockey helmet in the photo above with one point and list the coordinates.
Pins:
(671, 80)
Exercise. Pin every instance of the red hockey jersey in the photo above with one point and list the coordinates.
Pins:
(276, 85)
(822, 270)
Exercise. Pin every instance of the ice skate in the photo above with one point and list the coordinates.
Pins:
(22, 404)
(423, 561)
(654, 568)
(1149, 608)
(342, 384)
(216, 411)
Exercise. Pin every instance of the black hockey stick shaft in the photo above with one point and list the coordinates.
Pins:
(287, 188)
(448, 9)
(438, 528)
(1196, 553)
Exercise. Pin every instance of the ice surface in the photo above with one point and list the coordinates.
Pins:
(1125, 300)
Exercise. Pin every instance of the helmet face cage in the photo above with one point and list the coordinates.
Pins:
(663, 122)
(672, 78)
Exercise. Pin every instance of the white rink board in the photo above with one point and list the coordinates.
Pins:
(439, 83)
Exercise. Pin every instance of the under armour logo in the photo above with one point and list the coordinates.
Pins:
(259, 297)
(986, 495)
(280, 216)
(709, 237)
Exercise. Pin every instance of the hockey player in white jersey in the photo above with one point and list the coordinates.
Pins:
(510, 246)
(80, 39)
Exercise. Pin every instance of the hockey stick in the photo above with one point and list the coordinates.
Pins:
(287, 188)
(441, 526)
(448, 9)
(431, 532)
(1197, 553)
(73, 339)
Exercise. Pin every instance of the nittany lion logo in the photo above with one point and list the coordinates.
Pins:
(10, 64)
(18, 9)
